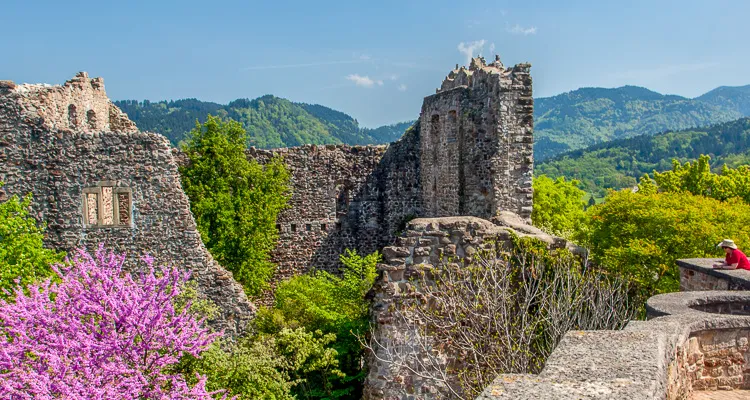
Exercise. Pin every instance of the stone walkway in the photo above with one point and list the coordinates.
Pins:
(722, 395)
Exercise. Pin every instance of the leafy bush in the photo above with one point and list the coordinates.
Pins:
(22, 254)
(558, 205)
(235, 201)
(99, 333)
(263, 366)
(641, 235)
(696, 178)
(334, 305)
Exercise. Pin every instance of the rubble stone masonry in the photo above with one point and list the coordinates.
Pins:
(59, 142)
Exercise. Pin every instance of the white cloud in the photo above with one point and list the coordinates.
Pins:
(471, 49)
(364, 81)
(402, 88)
(492, 48)
(519, 30)
(393, 77)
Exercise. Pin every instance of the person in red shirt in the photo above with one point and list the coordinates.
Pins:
(735, 259)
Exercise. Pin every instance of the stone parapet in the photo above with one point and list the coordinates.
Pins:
(425, 246)
(697, 274)
(685, 349)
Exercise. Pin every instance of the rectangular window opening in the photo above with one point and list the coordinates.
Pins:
(323, 227)
(108, 209)
(308, 227)
(92, 209)
(293, 227)
(123, 208)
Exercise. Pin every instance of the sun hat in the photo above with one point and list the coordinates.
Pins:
(727, 243)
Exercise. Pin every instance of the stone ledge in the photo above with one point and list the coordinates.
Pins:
(739, 279)
(641, 362)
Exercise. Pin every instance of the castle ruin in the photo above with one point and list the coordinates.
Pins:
(96, 179)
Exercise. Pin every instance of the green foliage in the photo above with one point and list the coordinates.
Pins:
(697, 178)
(588, 116)
(640, 235)
(617, 164)
(558, 205)
(264, 366)
(235, 201)
(270, 121)
(334, 305)
(22, 254)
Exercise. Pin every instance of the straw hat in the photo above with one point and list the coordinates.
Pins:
(727, 243)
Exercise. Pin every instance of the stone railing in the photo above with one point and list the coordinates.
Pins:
(697, 274)
(696, 342)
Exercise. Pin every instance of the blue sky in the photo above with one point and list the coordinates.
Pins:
(374, 60)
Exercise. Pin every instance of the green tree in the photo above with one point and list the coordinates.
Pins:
(266, 367)
(334, 305)
(696, 178)
(22, 253)
(640, 235)
(235, 201)
(558, 205)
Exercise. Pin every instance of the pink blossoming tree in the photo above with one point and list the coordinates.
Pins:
(100, 333)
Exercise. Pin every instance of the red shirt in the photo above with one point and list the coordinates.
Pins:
(739, 258)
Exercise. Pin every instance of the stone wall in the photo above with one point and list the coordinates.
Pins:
(476, 151)
(425, 245)
(343, 197)
(718, 359)
(677, 354)
(697, 274)
(470, 153)
(47, 149)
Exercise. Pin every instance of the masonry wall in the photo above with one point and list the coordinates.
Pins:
(477, 136)
(697, 274)
(343, 197)
(46, 151)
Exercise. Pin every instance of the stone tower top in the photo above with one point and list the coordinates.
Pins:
(80, 105)
(462, 76)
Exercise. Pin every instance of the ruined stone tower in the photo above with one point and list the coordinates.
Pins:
(96, 179)
(469, 154)
(476, 152)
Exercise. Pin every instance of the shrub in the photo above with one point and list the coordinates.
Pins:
(99, 333)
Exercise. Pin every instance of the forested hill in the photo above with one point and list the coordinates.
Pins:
(270, 121)
(589, 116)
(619, 163)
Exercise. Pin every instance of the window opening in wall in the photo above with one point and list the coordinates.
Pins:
(123, 207)
(278, 227)
(293, 227)
(338, 226)
(91, 119)
(108, 215)
(308, 227)
(72, 116)
(107, 205)
(323, 227)
(342, 202)
(92, 208)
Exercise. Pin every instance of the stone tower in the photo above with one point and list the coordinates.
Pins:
(476, 150)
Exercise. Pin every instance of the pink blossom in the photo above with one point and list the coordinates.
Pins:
(100, 333)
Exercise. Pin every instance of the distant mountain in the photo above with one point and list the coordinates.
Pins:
(589, 116)
(270, 121)
(618, 164)
(731, 97)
